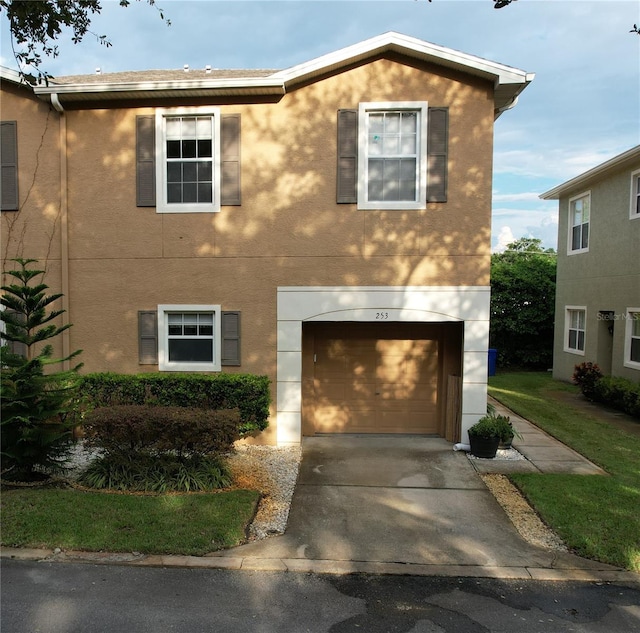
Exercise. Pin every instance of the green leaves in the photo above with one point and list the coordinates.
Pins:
(523, 304)
(36, 404)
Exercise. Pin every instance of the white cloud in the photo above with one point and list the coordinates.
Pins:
(505, 237)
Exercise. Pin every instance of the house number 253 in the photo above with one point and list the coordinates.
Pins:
(381, 316)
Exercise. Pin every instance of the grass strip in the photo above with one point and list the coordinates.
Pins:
(597, 517)
(164, 524)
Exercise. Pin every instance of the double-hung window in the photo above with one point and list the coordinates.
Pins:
(392, 148)
(579, 213)
(632, 338)
(575, 330)
(189, 338)
(188, 172)
(634, 211)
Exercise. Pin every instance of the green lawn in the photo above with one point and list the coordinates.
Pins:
(190, 524)
(598, 517)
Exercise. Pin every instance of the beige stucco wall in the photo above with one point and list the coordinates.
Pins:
(288, 232)
(34, 230)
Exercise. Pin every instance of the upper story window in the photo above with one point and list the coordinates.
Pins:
(579, 213)
(634, 209)
(392, 147)
(188, 169)
(632, 339)
(575, 329)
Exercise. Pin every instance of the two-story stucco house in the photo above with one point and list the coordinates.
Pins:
(597, 316)
(327, 225)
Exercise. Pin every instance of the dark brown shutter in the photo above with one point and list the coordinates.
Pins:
(148, 337)
(437, 154)
(347, 177)
(230, 160)
(146, 161)
(230, 337)
(9, 166)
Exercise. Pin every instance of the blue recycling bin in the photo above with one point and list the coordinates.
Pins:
(493, 359)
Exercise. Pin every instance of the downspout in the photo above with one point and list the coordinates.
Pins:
(64, 230)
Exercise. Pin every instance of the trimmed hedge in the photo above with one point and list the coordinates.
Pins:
(619, 393)
(134, 429)
(248, 393)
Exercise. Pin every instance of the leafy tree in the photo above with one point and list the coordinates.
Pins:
(523, 282)
(36, 402)
(37, 24)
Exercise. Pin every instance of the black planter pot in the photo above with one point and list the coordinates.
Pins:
(486, 447)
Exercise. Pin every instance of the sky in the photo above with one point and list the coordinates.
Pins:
(582, 108)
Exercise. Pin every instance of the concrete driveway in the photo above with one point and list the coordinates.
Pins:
(396, 501)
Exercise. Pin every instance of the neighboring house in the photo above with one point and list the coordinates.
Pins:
(327, 225)
(598, 280)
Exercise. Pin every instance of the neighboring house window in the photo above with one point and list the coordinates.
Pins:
(575, 330)
(189, 338)
(392, 146)
(188, 169)
(632, 339)
(635, 195)
(8, 166)
(579, 212)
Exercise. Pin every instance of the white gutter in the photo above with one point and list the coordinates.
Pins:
(55, 102)
(158, 86)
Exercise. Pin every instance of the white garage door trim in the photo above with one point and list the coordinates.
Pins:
(379, 304)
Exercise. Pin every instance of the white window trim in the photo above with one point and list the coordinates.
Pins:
(633, 201)
(162, 206)
(421, 189)
(577, 251)
(567, 324)
(627, 340)
(163, 348)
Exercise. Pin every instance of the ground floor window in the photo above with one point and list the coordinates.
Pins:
(575, 329)
(189, 338)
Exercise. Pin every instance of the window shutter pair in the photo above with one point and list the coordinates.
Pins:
(9, 166)
(437, 149)
(146, 160)
(148, 337)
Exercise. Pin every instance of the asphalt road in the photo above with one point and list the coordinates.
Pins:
(82, 598)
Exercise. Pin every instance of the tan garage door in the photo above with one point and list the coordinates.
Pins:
(370, 378)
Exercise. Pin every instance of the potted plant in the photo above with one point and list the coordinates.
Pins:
(507, 432)
(484, 436)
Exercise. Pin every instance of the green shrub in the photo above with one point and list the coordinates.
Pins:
(37, 403)
(586, 375)
(619, 393)
(156, 473)
(248, 393)
(494, 425)
(131, 429)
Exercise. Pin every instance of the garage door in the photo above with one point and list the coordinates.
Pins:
(370, 378)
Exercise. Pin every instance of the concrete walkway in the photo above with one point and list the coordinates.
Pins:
(398, 505)
(543, 453)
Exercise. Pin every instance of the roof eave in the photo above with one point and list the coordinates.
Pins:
(508, 82)
(161, 89)
(617, 162)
